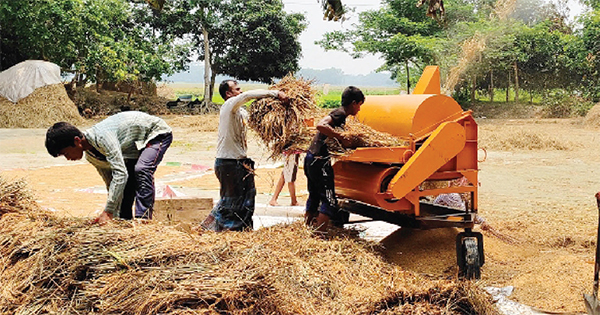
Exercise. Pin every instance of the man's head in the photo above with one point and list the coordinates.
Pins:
(352, 99)
(229, 88)
(65, 139)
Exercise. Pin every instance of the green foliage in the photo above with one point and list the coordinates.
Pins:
(247, 39)
(256, 40)
(559, 104)
(330, 103)
(101, 39)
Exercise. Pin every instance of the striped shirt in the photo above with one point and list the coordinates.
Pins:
(231, 143)
(115, 139)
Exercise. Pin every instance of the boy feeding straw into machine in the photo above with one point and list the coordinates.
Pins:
(321, 206)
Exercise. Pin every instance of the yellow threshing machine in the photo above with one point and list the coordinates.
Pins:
(388, 183)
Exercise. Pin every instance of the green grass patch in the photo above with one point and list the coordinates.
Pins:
(330, 100)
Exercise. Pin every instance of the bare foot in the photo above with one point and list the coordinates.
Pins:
(294, 203)
(273, 203)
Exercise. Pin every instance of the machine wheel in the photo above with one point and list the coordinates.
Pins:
(469, 254)
(471, 268)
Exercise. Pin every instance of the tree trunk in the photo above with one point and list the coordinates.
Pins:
(213, 77)
(531, 96)
(492, 85)
(473, 88)
(206, 65)
(516, 82)
(507, 85)
(407, 78)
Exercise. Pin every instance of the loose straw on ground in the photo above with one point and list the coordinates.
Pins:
(56, 265)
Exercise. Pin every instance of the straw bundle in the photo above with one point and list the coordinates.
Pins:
(361, 135)
(41, 109)
(64, 266)
(281, 126)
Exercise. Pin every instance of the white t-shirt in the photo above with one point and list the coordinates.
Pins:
(231, 142)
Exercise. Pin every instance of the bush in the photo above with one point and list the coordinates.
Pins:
(562, 104)
(330, 104)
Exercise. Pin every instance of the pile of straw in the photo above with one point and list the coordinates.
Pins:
(522, 139)
(41, 109)
(281, 126)
(361, 135)
(105, 102)
(59, 265)
(592, 118)
(14, 197)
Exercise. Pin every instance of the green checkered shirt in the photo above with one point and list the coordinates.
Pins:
(119, 137)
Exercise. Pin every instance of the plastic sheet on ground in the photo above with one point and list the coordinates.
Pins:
(22, 79)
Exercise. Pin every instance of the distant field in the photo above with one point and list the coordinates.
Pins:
(331, 99)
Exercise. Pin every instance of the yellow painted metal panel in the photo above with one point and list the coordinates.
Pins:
(408, 116)
(429, 83)
(443, 145)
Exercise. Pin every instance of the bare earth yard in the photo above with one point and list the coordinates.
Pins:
(537, 190)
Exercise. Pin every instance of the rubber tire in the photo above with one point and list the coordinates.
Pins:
(472, 268)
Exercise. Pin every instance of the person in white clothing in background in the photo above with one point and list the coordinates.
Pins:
(233, 168)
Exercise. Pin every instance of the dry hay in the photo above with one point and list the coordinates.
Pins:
(523, 140)
(165, 91)
(57, 265)
(14, 197)
(281, 126)
(592, 119)
(203, 123)
(105, 103)
(503, 8)
(472, 47)
(361, 135)
(40, 109)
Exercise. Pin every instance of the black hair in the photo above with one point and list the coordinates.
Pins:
(224, 87)
(351, 94)
(60, 136)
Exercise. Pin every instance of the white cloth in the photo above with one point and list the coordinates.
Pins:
(290, 168)
(20, 80)
(452, 200)
(231, 143)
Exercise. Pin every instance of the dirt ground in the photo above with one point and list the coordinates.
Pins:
(537, 187)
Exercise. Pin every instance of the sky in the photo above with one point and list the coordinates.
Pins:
(315, 57)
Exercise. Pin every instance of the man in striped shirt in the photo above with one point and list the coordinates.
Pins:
(125, 148)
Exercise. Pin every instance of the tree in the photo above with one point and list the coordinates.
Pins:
(246, 39)
(99, 39)
(399, 31)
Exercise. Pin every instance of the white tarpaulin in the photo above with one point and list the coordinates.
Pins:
(23, 78)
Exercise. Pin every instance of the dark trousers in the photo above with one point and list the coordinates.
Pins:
(321, 189)
(235, 209)
(140, 180)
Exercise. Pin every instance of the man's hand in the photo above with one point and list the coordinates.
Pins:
(346, 143)
(103, 218)
(282, 97)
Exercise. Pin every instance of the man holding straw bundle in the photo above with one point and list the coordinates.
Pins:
(233, 168)
(321, 206)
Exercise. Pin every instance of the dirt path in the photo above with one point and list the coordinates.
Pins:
(542, 199)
